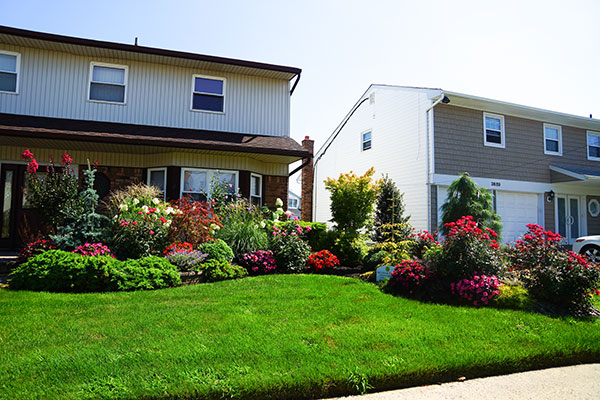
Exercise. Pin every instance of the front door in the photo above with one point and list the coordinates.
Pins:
(568, 219)
(11, 198)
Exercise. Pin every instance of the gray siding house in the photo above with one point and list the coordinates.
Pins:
(542, 166)
(170, 118)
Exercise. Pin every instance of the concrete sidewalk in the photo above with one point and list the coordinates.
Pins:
(573, 382)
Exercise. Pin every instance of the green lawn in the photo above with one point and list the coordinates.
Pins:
(285, 336)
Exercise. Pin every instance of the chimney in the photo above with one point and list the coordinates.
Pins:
(307, 181)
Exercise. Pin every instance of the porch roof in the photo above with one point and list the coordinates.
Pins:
(117, 133)
(575, 173)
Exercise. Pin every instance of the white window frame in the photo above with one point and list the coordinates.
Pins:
(363, 141)
(209, 176)
(502, 143)
(560, 146)
(150, 170)
(296, 202)
(125, 82)
(18, 70)
(260, 193)
(215, 78)
(587, 146)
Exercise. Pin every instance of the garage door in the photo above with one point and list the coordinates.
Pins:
(516, 210)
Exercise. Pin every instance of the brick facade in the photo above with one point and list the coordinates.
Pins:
(307, 181)
(117, 177)
(275, 187)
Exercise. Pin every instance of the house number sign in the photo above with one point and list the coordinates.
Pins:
(496, 184)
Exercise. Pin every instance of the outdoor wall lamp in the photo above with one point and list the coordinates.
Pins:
(550, 196)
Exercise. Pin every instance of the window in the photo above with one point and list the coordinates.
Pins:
(9, 71)
(256, 189)
(593, 145)
(552, 139)
(196, 183)
(108, 82)
(208, 94)
(493, 130)
(292, 203)
(366, 141)
(158, 177)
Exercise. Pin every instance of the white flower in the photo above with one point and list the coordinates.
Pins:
(145, 208)
(215, 227)
(263, 224)
(136, 201)
(123, 207)
(169, 210)
(156, 201)
(278, 202)
(279, 211)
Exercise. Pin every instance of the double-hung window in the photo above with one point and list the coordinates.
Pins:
(198, 183)
(108, 83)
(158, 177)
(552, 139)
(292, 203)
(593, 145)
(256, 189)
(208, 94)
(366, 140)
(493, 130)
(9, 71)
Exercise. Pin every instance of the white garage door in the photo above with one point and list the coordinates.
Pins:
(516, 210)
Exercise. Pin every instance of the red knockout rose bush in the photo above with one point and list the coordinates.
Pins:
(258, 262)
(479, 290)
(35, 248)
(93, 249)
(322, 261)
(409, 277)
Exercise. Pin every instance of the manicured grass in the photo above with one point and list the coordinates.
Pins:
(286, 336)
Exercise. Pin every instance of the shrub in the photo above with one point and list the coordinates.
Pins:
(350, 250)
(314, 233)
(141, 223)
(217, 250)
(322, 261)
(466, 198)
(61, 271)
(55, 198)
(394, 242)
(409, 277)
(513, 296)
(374, 258)
(187, 261)
(422, 241)
(537, 247)
(35, 248)
(258, 262)
(290, 251)
(215, 270)
(193, 221)
(389, 209)
(243, 228)
(467, 250)
(479, 290)
(93, 249)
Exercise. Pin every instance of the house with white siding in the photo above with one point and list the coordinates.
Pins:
(169, 118)
(541, 166)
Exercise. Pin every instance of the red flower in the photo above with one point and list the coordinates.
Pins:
(33, 166)
(27, 155)
(66, 159)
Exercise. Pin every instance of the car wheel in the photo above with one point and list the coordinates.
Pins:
(592, 252)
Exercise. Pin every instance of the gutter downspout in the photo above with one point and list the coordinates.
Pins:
(429, 154)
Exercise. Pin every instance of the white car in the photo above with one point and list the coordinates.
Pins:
(589, 246)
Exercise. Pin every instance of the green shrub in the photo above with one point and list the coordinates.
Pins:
(243, 228)
(215, 270)
(389, 210)
(217, 250)
(315, 233)
(374, 258)
(350, 250)
(290, 251)
(60, 271)
(513, 296)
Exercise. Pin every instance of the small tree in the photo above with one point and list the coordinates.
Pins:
(466, 198)
(389, 211)
(352, 200)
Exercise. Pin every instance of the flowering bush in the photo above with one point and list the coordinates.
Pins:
(409, 277)
(193, 221)
(93, 249)
(184, 247)
(35, 248)
(141, 226)
(322, 261)
(467, 249)
(291, 252)
(537, 247)
(258, 262)
(422, 241)
(187, 260)
(479, 290)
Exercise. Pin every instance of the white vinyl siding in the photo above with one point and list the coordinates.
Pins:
(552, 139)
(9, 72)
(56, 84)
(593, 146)
(196, 183)
(108, 83)
(493, 130)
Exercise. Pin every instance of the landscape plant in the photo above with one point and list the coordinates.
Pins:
(479, 290)
(466, 198)
(258, 262)
(184, 257)
(394, 243)
(34, 248)
(217, 250)
(290, 251)
(390, 210)
(243, 228)
(192, 221)
(214, 270)
(410, 278)
(93, 250)
(323, 261)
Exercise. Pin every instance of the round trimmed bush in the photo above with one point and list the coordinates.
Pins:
(217, 250)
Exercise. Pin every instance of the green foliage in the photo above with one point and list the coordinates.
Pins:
(217, 250)
(215, 270)
(466, 198)
(358, 382)
(349, 249)
(352, 202)
(289, 250)
(374, 258)
(222, 195)
(389, 210)
(243, 228)
(88, 226)
(515, 297)
(395, 243)
(60, 271)
(317, 235)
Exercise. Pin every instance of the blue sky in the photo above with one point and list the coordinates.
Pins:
(540, 53)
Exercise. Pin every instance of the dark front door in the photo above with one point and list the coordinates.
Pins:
(11, 200)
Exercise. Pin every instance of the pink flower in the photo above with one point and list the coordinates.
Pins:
(33, 166)
(66, 159)
(27, 155)
(152, 232)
